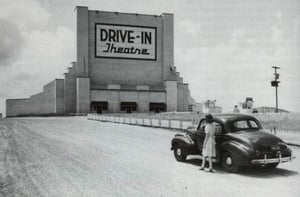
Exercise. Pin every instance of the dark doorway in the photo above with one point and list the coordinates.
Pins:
(128, 107)
(99, 106)
(157, 107)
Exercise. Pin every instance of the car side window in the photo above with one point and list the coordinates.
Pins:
(218, 127)
(242, 124)
(253, 124)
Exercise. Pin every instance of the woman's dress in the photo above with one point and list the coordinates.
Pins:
(210, 148)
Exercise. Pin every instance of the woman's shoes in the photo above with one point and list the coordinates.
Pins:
(207, 169)
(211, 170)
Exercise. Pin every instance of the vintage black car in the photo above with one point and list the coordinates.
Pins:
(240, 141)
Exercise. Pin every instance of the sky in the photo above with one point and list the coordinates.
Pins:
(224, 50)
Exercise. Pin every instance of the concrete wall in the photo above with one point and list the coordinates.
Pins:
(45, 101)
(70, 90)
(180, 97)
(168, 47)
(50, 101)
(143, 101)
(183, 95)
(82, 65)
(171, 88)
(83, 95)
(59, 97)
(18, 107)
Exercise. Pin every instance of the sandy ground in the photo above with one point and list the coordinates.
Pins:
(73, 156)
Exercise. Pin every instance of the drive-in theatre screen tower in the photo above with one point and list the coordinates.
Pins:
(125, 63)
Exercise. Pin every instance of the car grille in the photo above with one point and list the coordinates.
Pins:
(268, 154)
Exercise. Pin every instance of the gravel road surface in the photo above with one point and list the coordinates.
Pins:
(72, 156)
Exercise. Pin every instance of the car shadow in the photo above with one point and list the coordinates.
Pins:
(256, 172)
(198, 162)
(262, 172)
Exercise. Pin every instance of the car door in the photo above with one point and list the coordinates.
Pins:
(201, 134)
(218, 136)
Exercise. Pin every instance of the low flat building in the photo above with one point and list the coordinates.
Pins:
(210, 106)
(266, 109)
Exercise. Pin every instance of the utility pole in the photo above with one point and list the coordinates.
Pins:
(275, 83)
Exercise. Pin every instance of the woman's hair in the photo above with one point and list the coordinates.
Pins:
(209, 118)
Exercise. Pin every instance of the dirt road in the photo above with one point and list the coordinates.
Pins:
(72, 156)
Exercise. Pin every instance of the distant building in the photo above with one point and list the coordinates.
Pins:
(196, 107)
(209, 106)
(236, 109)
(268, 110)
(247, 105)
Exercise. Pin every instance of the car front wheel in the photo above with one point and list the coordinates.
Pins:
(228, 162)
(179, 153)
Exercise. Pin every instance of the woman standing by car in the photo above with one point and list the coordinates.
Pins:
(209, 148)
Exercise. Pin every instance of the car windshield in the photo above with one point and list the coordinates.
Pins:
(244, 125)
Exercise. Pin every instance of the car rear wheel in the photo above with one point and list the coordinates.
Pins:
(228, 162)
(179, 153)
(271, 165)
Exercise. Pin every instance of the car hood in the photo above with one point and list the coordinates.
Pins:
(255, 138)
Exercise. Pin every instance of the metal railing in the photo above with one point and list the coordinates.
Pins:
(289, 136)
(148, 122)
(285, 126)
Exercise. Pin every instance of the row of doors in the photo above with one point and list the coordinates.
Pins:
(128, 107)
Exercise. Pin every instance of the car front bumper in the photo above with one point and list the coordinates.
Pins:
(266, 160)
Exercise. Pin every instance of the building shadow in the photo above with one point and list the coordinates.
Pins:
(255, 172)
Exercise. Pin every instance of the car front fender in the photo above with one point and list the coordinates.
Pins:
(182, 140)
